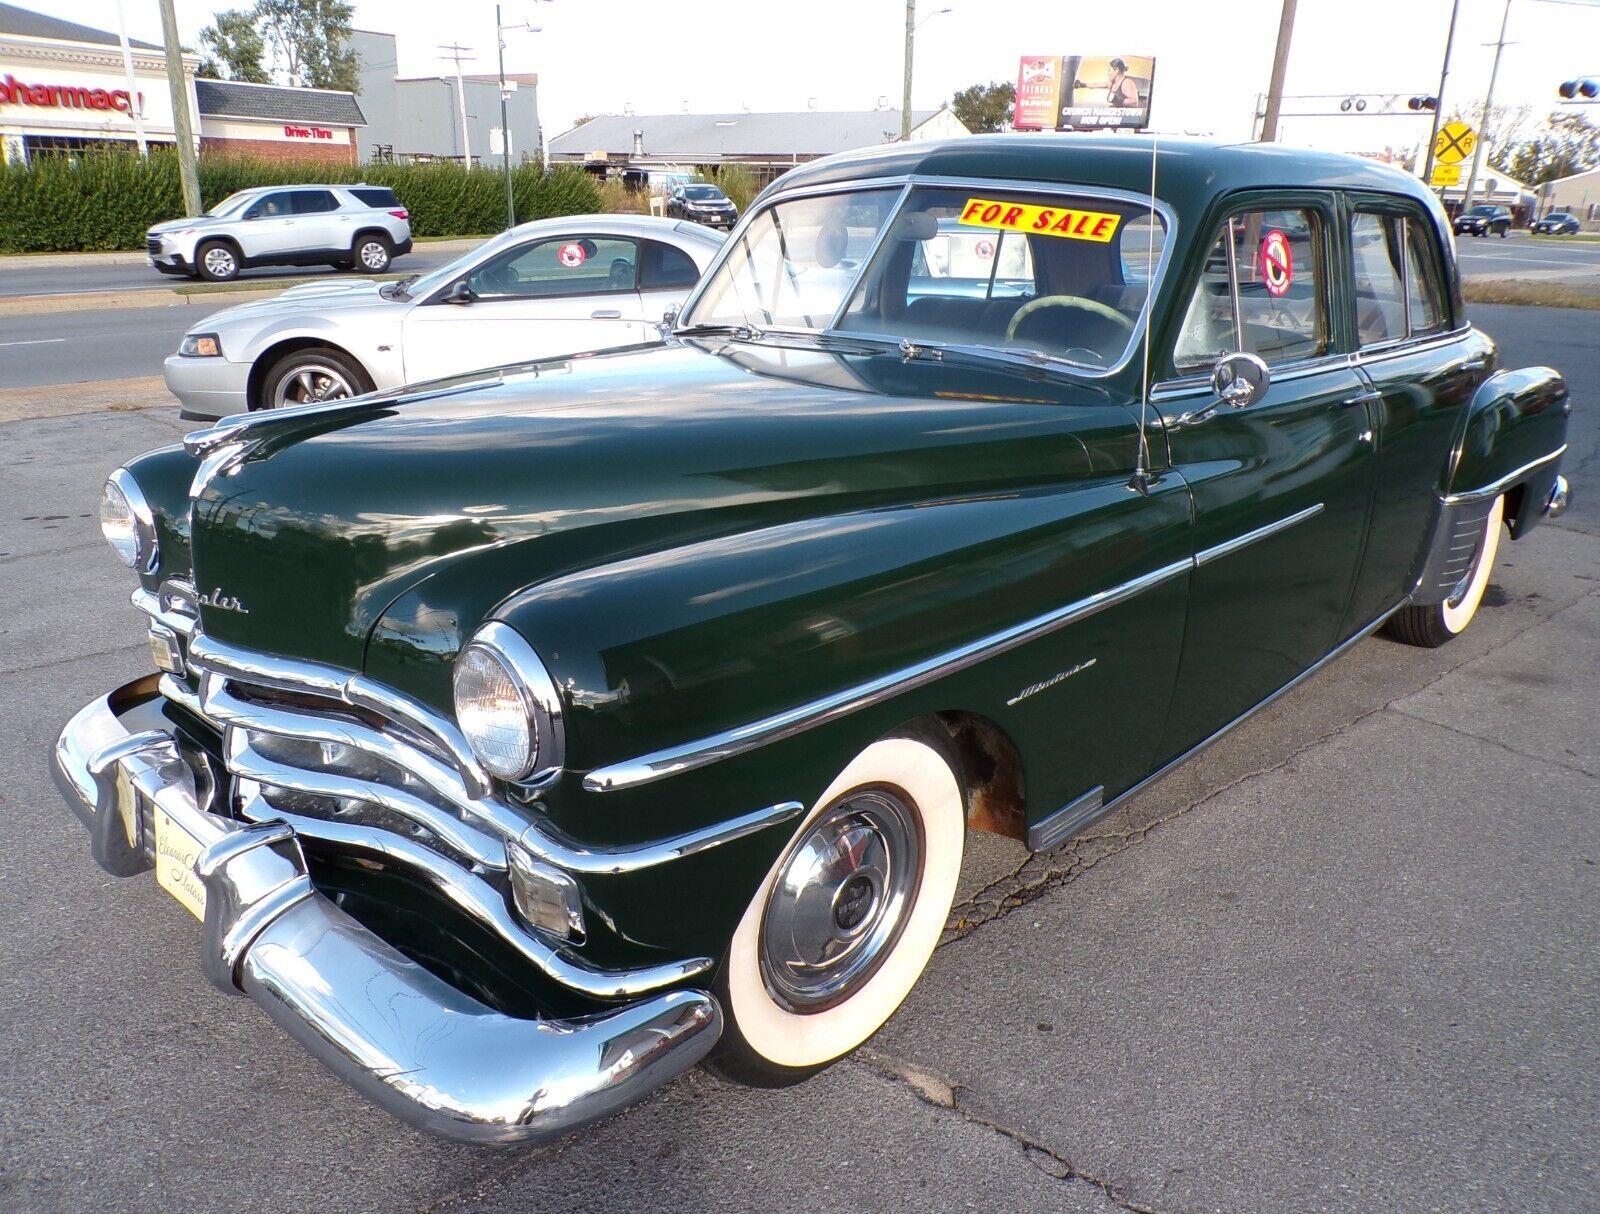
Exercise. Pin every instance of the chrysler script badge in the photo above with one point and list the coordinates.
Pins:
(1050, 682)
(218, 601)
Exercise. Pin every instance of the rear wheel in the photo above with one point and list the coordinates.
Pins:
(846, 920)
(311, 376)
(217, 261)
(1432, 625)
(372, 254)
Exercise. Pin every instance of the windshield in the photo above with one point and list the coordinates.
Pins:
(1482, 210)
(703, 193)
(232, 203)
(793, 264)
(1059, 275)
(451, 270)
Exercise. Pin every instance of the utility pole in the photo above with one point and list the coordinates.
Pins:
(188, 168)
(905, 89)
(505, 121)
(457, 52)
(1488, 107)
(1438, 97)
(135, 106)
(1280, 65)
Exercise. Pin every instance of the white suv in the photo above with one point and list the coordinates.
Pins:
(349, 226)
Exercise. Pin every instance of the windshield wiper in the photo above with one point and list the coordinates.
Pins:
(741, 332)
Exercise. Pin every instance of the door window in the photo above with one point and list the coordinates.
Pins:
(1398, 292)
(666, 266)
(1260, 291)
(563, 265)
(314, 202)
(273, 206)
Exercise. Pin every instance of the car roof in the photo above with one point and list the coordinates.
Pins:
(613, 224)
(1189, 172)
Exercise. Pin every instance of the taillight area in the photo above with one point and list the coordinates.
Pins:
(401, 214)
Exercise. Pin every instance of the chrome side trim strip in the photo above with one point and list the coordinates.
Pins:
(477, 899)
(610, 861)
(1207, 555)
(1082, 812)
(1505, 482)
(691, 755)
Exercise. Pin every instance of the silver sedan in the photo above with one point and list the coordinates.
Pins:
(553, 287)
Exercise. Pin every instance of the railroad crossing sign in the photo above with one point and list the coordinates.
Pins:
(1454, 143)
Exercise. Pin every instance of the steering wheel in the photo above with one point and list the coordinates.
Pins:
(1093, 307)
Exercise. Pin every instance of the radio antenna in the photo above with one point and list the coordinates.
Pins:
(1141, 456)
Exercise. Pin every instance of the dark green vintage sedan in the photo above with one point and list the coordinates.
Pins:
(523, 739)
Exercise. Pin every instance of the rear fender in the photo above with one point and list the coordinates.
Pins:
(1511, 442)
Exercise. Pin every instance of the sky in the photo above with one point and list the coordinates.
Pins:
(1212, 58)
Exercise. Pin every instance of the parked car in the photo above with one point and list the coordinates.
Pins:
(555, 286)
(348, 226)
(703, 203)
(1558, 223)
(522, 741)
(1483, 220)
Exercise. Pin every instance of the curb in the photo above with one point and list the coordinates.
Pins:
(100, 301)
(96, 396)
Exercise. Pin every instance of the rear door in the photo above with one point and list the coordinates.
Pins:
(540, 299)
(1281, 487)
(318, 222)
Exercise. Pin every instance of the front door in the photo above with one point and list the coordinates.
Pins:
(543, 299)
(1281, 487)
(269, 227)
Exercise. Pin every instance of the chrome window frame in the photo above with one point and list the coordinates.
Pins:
(909, 182)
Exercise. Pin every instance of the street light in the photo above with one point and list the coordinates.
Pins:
(505, 121)
(912, 26)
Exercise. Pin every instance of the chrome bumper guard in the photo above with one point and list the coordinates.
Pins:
(429, 1053)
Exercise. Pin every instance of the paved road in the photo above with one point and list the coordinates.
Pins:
(1518, 256)
(1343, 961)
(76, 279)
(76, 347)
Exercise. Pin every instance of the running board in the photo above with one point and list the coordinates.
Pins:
(1079, 813)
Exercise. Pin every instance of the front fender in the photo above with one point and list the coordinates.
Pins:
(374, 344)
(1510, 442)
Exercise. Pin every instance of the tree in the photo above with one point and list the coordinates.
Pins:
(985, 107)
(1569, 144)
(232, 48)
(310, 38)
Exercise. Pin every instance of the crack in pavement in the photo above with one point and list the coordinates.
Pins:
(1041, 872)
(939, 1092)
(7, 671)
(1503, 745)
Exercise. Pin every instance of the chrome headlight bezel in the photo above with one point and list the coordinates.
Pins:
(143, 557)
(539, 705)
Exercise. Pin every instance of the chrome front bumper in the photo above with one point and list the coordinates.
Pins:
(430, 1054)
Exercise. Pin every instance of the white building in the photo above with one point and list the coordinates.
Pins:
(1578, 194)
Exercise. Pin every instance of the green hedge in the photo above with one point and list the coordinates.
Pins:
(107, 200)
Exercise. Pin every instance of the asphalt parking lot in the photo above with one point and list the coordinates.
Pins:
(1346, 960)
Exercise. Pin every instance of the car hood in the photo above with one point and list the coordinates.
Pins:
(196, 221)
(527, 473)
(320, 297)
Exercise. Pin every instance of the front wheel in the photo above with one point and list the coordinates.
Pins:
(312, 376)
(1432, 625)
(844, 923)
(216, 261)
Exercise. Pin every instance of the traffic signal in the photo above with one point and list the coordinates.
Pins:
(1584, 86)
(1423, 103)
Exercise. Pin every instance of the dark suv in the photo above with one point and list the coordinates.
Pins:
(702, 203)
(1482, 220)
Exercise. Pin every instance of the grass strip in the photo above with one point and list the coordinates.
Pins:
(1531, 294)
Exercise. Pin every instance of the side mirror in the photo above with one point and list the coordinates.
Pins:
(459, 293)
(1239, 380)
(670, 317)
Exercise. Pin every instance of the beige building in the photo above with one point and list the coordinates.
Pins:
(1579, 194)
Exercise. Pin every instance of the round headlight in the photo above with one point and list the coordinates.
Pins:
(506, 705)
(127, 522)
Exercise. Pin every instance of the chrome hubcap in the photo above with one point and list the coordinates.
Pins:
(311, 383)
(840, 900)
(372, 255)
(219, 261)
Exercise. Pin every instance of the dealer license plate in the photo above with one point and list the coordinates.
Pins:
(176, 853)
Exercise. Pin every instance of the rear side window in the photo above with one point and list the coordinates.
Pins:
(379, 197)
(1260, 291)
(663, 265)
(314, 202)
(1398, 293)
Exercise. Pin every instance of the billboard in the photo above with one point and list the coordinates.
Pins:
(1067, 92)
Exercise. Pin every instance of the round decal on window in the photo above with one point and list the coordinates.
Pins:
(984, 249)
(572, 255)
(1277, 263)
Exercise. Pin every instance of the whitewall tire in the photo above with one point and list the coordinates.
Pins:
(1432, 625)
(846, 920)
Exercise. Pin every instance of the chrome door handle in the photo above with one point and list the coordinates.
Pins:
(606, 314)
(1362, 398)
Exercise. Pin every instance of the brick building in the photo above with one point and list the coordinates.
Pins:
(276, 123)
